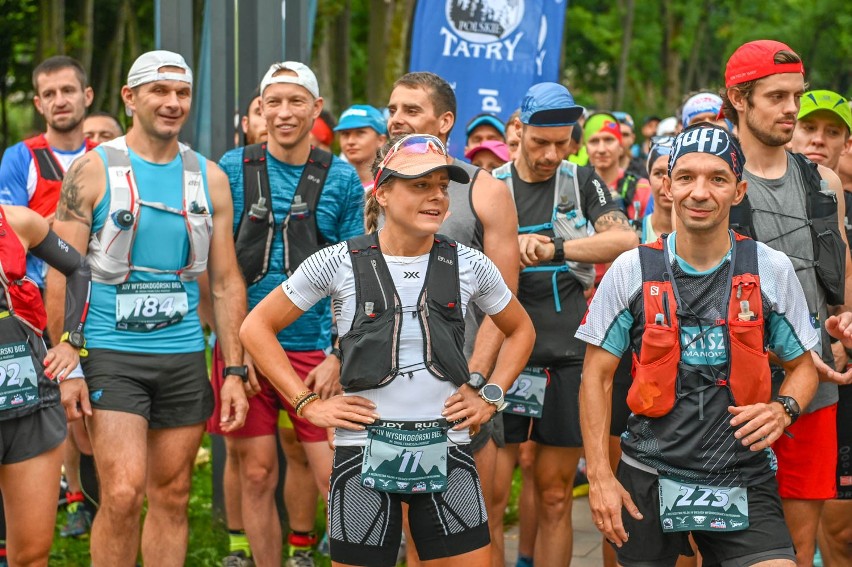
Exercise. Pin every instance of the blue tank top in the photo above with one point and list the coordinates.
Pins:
(161, 242)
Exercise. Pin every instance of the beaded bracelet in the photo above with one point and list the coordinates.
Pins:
(312, 397)
(299, 397)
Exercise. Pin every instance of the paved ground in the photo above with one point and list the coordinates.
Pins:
(587, 539)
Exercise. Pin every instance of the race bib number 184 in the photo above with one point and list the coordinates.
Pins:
(147, 306)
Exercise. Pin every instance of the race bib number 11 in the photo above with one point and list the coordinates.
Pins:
(148, 306)
(405, 461)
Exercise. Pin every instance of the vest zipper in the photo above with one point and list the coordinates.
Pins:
(381, 287)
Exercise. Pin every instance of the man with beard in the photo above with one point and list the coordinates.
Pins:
(32, 170)
(557, 202)
(764, 82)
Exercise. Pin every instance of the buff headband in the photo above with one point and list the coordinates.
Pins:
(708, 139)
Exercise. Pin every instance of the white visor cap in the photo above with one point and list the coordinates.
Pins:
(304, 77)
(146, 68)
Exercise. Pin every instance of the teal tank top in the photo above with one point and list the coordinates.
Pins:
(161, 242)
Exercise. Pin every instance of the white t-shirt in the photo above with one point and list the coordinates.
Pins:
(417, 394)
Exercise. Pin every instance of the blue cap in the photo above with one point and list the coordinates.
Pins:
(485, 120)
(362, 116)
(549, 104)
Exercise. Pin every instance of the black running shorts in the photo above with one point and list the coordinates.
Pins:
(23, 438)
(169, 390)
(766, 538)
(559, 424)
(365, 525)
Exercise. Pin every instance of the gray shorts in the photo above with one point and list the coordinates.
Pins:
(493, 429)
(169, 390)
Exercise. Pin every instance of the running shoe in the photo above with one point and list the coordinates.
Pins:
(524, 561)
(237, 559)
(78, 520)
(300, 558)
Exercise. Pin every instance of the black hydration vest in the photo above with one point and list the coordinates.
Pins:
(253, 239)
(370, 350)
(821, 210)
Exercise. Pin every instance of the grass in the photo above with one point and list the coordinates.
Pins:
(208, 538)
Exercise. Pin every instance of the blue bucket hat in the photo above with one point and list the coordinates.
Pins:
(362, 116)
(549, 104)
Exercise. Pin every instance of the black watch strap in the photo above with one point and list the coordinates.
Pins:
(241, 371)
(559, 249)
(336, 352)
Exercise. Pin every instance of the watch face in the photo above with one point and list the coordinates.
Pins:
(75, 339)
(476, 380)
(492, 393)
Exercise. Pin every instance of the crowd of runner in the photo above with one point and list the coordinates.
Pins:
(651, 314)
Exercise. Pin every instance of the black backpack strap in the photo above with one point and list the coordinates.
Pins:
(253, 236)
(653, 262)
(443, 275)
(313, 178)
(810, 174)
(255, 179)
(745, 258)
(373, 282)
(48, 168)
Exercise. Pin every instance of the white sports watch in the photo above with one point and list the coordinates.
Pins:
(493, 394)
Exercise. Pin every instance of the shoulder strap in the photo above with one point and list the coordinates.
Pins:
(443, 272)
(628, 186)
(47, 167)
(255, 181)
(652, 260)
(313, 177)
(373, 282)
(811, 178)
(745, 258)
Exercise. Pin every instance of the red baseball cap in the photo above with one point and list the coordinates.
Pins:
(755, 60)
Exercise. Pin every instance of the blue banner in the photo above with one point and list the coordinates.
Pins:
(490, 51)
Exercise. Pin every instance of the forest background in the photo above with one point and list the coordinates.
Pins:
(638, 56)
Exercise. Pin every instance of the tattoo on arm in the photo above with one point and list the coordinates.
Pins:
(612, 219)
(70, 207)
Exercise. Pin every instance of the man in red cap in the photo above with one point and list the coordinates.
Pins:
(764, 82)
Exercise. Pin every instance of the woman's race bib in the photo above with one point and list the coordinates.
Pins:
(406, 457)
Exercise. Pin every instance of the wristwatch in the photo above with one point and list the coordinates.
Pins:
(493, 394)
(73, 338)
(476, 381)
(336, 352)
(241, 371)
(791, 406)
(559, 249)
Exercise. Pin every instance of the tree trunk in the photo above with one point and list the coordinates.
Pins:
(672, 59)
(697, 49)
(624, 61)
(109, 95)
(399, 45)
(340, 48)
(87, 28)
(381, 11)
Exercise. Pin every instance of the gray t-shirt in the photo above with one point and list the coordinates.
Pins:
(780, 221)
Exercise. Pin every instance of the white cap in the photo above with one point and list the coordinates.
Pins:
(304, 77)
(667, 126)
(146, 69)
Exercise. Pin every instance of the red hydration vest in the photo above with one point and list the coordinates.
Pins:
(23, 298)
(49, 174)
(653, 392)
